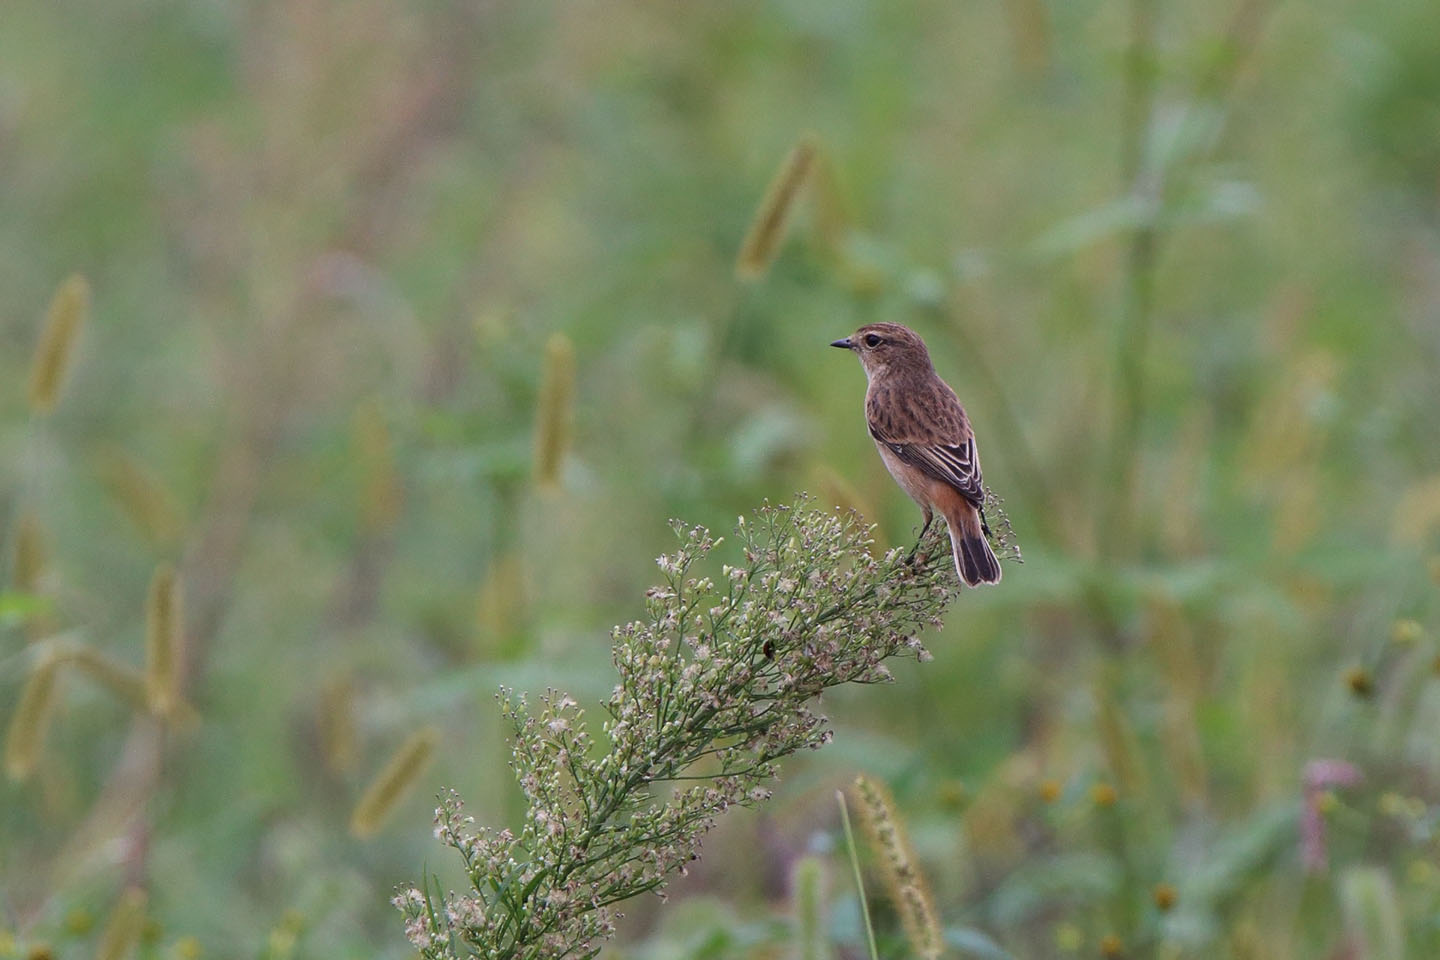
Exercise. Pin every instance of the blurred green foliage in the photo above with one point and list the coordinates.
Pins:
(1180, 261)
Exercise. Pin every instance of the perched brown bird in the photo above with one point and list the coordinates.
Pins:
(925, 439)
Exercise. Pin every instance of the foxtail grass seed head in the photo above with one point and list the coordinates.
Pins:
(832, 215)
(772, 219)
(123, 929)
(380, 491)
(1119, 743)
(903, 879)
(25, 740)
(63, 322)
(500, 606)
(400, 774)
(162, 640)
(31, 556)
(555, 411)
(807, 895)
(335, 722)
(144, 499)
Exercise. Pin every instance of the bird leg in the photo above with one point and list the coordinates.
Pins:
(929, 516)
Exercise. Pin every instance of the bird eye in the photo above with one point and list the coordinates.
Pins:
(871, 340)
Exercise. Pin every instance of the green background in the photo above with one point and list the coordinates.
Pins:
(1180, 261)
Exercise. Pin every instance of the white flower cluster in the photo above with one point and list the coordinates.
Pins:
(716, 686)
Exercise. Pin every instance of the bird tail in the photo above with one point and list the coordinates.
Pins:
(974, 560)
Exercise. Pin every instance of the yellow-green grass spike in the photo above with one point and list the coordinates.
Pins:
(124, 927)
(772, 218)
(388, 788)
(335, 724)
(903, 879)
(380, 489)
(554, 411)
(25, 740)
(53, 354)
(163, 613)
(31, 555)
(145, 500)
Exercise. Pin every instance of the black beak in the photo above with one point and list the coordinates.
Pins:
(842, 344)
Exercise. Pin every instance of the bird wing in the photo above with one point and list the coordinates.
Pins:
(933, 437)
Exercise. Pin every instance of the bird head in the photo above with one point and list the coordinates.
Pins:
(883, 347)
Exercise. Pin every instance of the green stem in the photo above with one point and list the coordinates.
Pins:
(855, 866)
(1133, 330)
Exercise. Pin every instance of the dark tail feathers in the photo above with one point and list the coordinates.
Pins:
(975, 561)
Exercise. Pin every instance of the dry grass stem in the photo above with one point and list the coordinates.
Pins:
(123, 929)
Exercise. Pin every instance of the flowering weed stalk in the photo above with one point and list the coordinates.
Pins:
(717, 684)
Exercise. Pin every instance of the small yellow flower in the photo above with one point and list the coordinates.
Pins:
(1360, 683)
(1103, 795)
(1110, 946)
(1325, 801)
(1165, 896)
(1406, 632)
(1050, 790)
